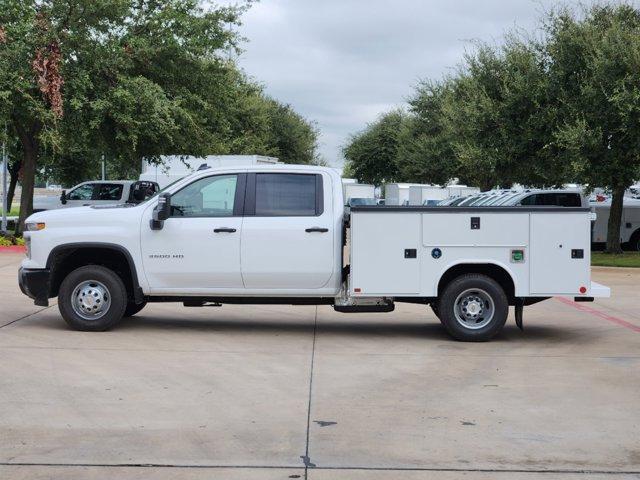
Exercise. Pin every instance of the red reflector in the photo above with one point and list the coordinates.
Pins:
(583, 289)
(357, 290)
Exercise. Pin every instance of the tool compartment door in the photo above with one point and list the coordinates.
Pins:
(385, 253)
(560, 253)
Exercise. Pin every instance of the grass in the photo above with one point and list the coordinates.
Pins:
(627, 259)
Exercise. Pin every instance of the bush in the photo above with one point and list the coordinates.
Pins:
(10, 240)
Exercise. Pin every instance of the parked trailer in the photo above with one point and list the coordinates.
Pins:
(398, 193)
(433, 194)
(275, 234)
(175, 167)
(357, 190)
(629, 226)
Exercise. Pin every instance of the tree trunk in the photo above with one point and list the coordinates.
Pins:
(14, 169)
(615, 219)
(30, 148)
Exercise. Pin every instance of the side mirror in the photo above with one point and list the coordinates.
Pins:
(161, 212)
(63, 197)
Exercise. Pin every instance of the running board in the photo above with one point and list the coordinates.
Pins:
(384, 308)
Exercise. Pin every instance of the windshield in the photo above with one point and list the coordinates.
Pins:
(162, 190)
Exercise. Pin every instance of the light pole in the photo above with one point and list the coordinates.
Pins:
(4, 184)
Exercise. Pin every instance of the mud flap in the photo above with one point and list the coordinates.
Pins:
(519, 310)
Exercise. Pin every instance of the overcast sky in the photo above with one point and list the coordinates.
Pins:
(341, 63)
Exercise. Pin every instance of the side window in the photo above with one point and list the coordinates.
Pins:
(530, 200)
(207, 197)
(109, 191)
(287, 194)
(569, 200)
(83, 192)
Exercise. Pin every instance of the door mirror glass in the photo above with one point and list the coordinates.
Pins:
(163, 209)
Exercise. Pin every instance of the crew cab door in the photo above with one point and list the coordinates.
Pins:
(198, 248)
(287, 232)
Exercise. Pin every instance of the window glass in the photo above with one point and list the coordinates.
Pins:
(83, 192)
(109, 191)
(207, 197)
(568, 200)
(530, 200)
(284, 194)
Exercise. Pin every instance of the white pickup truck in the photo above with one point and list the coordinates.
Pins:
(99, 192)
(277, 234)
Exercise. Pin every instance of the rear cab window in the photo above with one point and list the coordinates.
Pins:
(109, 191)
(286, 195)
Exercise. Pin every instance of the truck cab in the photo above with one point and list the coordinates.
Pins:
(279, 234)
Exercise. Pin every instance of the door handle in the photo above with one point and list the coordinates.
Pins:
(224, 230)
(316, 229)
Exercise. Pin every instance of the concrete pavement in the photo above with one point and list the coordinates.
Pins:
(275, 392)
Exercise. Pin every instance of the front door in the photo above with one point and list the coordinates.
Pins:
(287, 234)
(198, 248)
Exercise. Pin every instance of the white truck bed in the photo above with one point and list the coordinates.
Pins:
(405, 251)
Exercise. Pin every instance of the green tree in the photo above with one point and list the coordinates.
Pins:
(371, 154)
(425, 152)
(594, 73)
(128, 78)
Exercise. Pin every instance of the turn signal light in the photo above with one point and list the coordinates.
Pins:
(33, 226)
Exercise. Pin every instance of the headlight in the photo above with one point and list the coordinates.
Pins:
(32, 226)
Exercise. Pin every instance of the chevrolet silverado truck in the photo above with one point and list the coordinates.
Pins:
(278, 234)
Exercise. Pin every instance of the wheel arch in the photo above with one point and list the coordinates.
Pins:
(67, 257)
(496, 271)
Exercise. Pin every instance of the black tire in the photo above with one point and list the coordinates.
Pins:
(99, 282)
(133, 308)
(482, 293)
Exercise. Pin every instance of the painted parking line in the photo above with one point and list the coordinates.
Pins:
(597, 313)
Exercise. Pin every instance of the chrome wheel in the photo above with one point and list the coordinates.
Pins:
(90, 300)
(474, 308)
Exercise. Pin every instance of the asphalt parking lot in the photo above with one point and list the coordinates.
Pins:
(277, 392)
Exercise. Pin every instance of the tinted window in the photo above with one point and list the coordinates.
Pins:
(207, 197)
(284, 194)
(109, 191)
(83, 192)
(530, 200)
(568, 200)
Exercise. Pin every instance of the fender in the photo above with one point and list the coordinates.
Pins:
(492, 263)
(138, 295)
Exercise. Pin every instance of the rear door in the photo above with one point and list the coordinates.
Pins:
(560, 253)
(287, 231)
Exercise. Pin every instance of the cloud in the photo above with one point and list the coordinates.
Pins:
(343, 62)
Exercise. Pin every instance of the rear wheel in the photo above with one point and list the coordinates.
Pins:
(92, 298)
(473, 308)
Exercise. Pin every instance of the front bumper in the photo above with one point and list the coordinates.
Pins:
(35, 284)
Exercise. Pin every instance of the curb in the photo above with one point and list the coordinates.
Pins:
(13, 249)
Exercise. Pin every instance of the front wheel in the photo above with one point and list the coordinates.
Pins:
(92, 298)
(473, 308)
